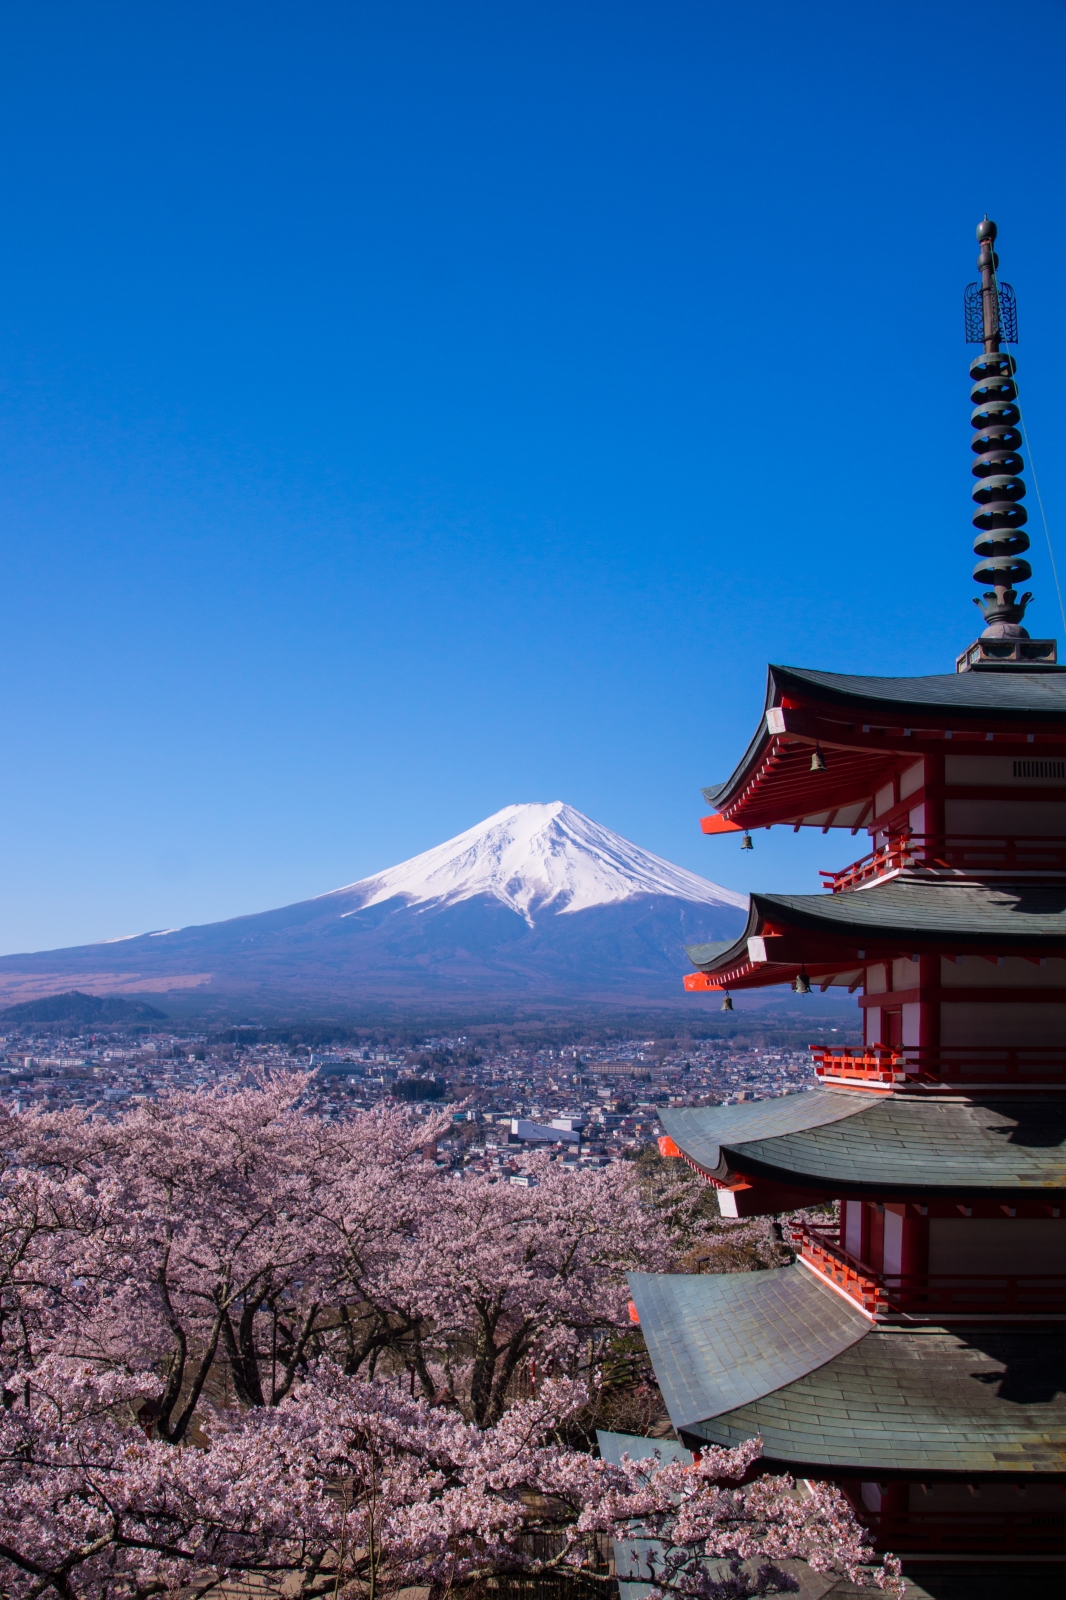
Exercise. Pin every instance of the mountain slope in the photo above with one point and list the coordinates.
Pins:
(538, 858)
(537, 903)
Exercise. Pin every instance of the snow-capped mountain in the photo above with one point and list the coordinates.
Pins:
(538, 859)
(537, 904)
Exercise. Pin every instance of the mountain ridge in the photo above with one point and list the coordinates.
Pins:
(535, 903)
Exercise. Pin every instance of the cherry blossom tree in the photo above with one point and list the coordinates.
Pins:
(231, 1236)
(204, 1308)
(344, 1488)
(507, 1274)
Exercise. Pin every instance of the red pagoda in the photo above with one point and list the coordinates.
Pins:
(915, 1352)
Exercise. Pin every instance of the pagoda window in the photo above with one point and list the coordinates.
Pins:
(874, 1253)
(1000, 770)
(892, 1027)
(851, 1217)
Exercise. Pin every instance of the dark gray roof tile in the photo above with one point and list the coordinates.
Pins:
(720, 1340)
(959, 1400)
(845, 1142)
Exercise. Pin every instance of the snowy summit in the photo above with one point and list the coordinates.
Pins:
(537, 860)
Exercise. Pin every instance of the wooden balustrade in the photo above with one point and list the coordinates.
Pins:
(885, 1295)
(958, 1065)
(954, 855)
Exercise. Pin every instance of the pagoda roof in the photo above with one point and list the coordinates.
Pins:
(778, 1355)
(929, 1401)
(870, 728)
(847, 1142)
(978, 693)
(898, 917)
(719, 1341)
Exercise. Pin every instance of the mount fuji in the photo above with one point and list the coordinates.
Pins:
(537, 904)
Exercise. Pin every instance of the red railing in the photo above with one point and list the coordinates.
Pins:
(877, 1064)
(930, 1294)
(955, 854)
(960, 1066)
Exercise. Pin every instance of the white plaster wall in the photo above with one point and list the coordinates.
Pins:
(995, 1244)
(993, 769)
(853, 1227)
(948, 1497)
(905, 973)
(893, 1242)
(973, 972)
(912, 779)
(1011, 818)
(1009, 1022)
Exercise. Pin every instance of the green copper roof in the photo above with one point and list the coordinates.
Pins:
(1032, 693)
(928, 1401)
(701, 1131)
(852, 1143)
(962, 696)
(718, 1341)
(908, 915)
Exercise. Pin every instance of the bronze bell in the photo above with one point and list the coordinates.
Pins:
(817, 761)
(801, 983)
(727, 1003)
(745, 843)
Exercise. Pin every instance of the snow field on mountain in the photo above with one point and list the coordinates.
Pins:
(536, 859)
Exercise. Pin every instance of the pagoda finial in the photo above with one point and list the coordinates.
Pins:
(1000, 516)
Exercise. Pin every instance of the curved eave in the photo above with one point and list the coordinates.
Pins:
(900, 1148)
(833, 936)
(869, 728)
(937, 1403)
(718, 1341)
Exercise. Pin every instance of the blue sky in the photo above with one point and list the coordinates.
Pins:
(407, 410)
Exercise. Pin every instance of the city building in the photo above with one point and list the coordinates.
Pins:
(913, 1352)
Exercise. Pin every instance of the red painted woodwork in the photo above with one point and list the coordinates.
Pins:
(718, 824)
(892, 1295)
(922, 854)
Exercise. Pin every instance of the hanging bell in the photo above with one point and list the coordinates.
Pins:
(817, 761)
(727, 1003)
(745, 843)
(801, 983)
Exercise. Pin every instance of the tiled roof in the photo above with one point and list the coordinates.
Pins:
(908, 914)
(961, 1400)
(854, 1143)
(1032, 693)
(966, 696)
(701, 1131)
(719, 1341)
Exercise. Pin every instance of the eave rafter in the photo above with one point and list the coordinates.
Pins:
(775, 782)
(778, 953)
